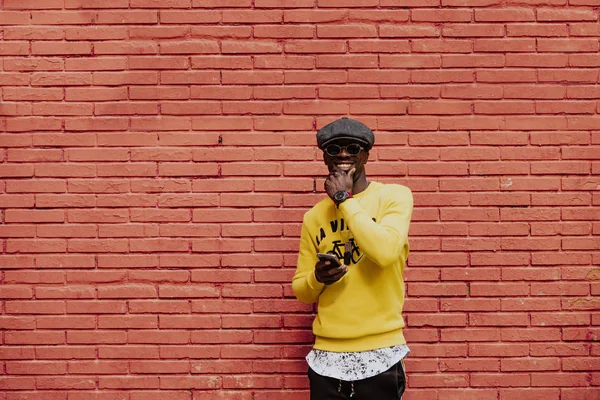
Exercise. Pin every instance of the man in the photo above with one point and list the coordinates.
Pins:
(359, 344)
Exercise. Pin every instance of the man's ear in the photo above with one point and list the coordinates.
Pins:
(366, 157)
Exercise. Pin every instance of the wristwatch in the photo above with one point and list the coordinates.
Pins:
(340, 196)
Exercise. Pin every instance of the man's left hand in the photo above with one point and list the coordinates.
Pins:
(339, 180)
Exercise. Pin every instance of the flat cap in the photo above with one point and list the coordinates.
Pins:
(345, 128)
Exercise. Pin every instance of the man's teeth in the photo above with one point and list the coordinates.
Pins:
(344, 165)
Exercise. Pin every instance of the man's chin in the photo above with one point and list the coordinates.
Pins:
(345, 169)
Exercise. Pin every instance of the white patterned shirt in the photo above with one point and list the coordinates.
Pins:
(356, 365)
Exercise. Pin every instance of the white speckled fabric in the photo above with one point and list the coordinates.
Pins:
(357, 365)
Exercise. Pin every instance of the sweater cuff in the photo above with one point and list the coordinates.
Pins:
(350, 207)
(314, 284)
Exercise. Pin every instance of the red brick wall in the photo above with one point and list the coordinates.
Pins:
(158, 156)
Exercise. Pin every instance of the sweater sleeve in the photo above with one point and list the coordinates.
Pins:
(304, 284)
(381, 241)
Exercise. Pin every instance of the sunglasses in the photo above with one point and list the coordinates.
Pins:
(335, 150)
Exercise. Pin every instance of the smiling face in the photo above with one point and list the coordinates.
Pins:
(344, 161)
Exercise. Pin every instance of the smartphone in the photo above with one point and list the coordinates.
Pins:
(329, 257)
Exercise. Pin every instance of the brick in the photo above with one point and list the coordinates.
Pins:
(33, 338)
(33, 124)
(371, 46)
(442, 46)
(570, 167)
(221, 123)
(469, 305)
(189, 16)
(496, 380)
(583, 29)
(506, 75)
(25, 276)
(578, 393)
(17, 261)
(160, 123)
(378, 76)
(16, 108)
(95, 276)
(549, 229)
(562, 45)
(505, 107)
(447, 15)
(95, 94)
(583, 60)
(504, 15)
(51, 4)
(161, 92)
(346, 31)
(124, 78)
(225, 62)
(156, 62)
(471, 364)
(473, 91)
(212, 32)
(504, 45)
(257, 47)
(130, 382)
(547, 14)
(319, 46)
(473, 60)
(159, 276)
(532, 364)
(163, 367)
(14, 17)
(536, 30)
(405, 3)
(61, 48)
(467, 30)
(36, 33)
(64, 261)
(558, 319)
(412, 30)
(583, 75)
(131, 351)
(16, 49)
(68, 322)
(126, 17)
(531, 334)
(343, 61)
(91, 4)
(70, 292)
(273, 31)
(498, 319)
(441, 76)
(129, 47)
(97, 367)
(443, 380)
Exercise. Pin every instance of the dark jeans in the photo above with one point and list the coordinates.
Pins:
(388, 385)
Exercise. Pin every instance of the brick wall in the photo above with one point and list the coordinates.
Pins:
(158, 156)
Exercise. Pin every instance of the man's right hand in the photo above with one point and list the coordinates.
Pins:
(328, 272)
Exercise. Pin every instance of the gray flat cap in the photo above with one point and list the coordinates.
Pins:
(345, 128)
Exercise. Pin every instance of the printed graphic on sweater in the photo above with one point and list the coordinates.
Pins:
(338, 245)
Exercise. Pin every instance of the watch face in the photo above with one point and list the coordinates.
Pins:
(340, 195)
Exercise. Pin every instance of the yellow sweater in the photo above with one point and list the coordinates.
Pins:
(363, 310)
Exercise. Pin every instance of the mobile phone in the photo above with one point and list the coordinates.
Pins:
(329, 257)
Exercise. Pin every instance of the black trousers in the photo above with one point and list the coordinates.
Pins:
(388, 385)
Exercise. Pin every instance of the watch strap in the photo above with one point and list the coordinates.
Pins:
(347, 196)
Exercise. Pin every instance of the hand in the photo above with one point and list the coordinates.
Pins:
(339, 180)
(327, 272)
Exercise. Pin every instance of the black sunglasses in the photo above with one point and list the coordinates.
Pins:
(335, 149)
